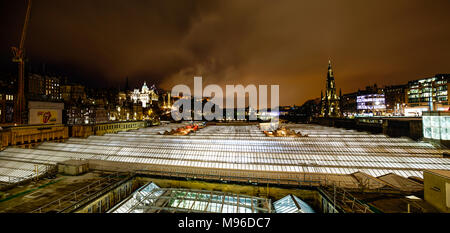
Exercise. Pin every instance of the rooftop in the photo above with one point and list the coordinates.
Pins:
(445, 173)
(325, 154)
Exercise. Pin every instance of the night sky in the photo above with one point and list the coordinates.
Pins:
(100, 42)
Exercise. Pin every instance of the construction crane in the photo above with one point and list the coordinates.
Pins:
(19, 57)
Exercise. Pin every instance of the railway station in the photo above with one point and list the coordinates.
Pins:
(315, 160)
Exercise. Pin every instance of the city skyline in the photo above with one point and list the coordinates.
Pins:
(235, 43)
(196, 107)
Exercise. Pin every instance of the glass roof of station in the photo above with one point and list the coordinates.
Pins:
(291, 204)
(325, 151)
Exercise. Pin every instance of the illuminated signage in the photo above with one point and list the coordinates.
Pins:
(47, 116)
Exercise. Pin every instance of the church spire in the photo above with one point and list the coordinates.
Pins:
(330, 104)
(330, 70)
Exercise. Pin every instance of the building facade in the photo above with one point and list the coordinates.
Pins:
(73, 93)
(368, 102)
(6, 107)
(348, 104)
(371, 104)
(395, 99)
(145, 96)
(8, 93)
(43, 88)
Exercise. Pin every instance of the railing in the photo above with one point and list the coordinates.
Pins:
(73, 196)
(96, 195)
(345, 200)
(245, 176)
(319, 182)
(15, 180)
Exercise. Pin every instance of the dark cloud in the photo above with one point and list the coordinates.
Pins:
(238, 42)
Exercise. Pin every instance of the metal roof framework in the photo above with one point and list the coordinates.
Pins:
(152, 199)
